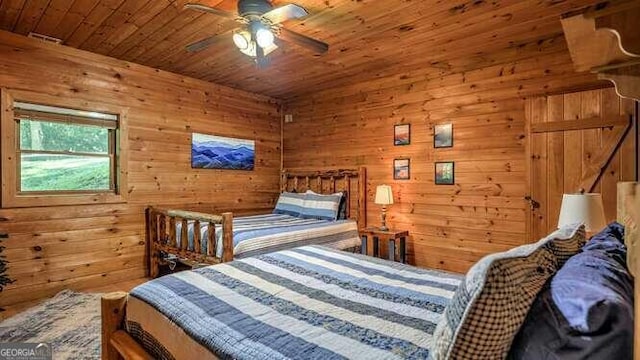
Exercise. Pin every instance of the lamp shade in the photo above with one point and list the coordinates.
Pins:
(384, 195)
(582, 208)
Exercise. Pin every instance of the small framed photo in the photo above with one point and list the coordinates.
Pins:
(445, 173)
(443, 136)
(402, 134)
(401, 169)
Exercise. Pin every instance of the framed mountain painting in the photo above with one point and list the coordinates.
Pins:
(217, 152)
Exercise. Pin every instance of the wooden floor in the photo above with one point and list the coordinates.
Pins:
(119, 286)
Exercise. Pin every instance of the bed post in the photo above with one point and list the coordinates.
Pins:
(283, 181)
(116, 343)
(152, 236)
(112, 309)
(629, 215)
(362, 197)
(227, 237)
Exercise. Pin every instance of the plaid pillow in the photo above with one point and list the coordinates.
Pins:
(492, 302)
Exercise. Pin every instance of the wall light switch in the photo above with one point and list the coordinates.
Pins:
(288, 118)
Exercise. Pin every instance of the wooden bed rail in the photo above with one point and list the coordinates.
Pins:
(162, 236)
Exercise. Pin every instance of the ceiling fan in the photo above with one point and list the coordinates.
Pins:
(261, 27)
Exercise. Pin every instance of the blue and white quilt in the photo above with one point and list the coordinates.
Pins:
(260, 234)
(310, 302)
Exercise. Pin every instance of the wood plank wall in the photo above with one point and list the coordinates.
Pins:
(52, 248)
(559, 160)
(451, 227)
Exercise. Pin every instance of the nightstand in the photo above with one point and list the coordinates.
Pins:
(391, 236)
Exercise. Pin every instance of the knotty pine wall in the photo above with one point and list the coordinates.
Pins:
(451, 227)
(51, 248)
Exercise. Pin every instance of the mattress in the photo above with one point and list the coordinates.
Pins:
(259, 234)
(303, 303)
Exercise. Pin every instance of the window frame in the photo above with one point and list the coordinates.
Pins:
(31, 115)
(10, 152)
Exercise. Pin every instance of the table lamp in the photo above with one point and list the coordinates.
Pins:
(583, 208)
(384, 197)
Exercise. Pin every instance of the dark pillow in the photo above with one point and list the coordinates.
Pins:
(586, 310)
(342, 209)
(611, 241)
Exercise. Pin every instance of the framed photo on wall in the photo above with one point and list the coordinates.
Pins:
(401, 169)
(218, 152)
(443, 136)
(445, 173)
(402, 134)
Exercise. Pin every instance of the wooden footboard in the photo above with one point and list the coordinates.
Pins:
(162, 225)
(116, 342)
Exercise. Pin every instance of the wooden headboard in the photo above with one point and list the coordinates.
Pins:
(629, 215)
(354, 182)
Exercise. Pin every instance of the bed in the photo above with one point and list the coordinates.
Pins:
(221, 237)
(401, 304)
(316, 302)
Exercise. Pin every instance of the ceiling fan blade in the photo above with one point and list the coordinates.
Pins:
(203, 44)
(284, 13)
(304, 41)
(211, 10)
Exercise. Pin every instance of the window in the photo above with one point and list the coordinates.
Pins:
(64, 150)
(59, 154)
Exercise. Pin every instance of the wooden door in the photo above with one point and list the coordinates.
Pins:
(583, 141)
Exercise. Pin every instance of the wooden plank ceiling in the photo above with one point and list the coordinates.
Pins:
(368, 38)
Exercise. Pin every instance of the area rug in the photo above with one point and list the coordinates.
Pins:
(69, 322)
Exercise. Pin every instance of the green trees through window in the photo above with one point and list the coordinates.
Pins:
(65, 156)
(52, 136)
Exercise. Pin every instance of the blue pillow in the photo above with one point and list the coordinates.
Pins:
(290, 204)
(611, 241)
(321, 207)
(586, 310)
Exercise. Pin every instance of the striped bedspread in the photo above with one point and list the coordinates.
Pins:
(305, 303)
(259, 234)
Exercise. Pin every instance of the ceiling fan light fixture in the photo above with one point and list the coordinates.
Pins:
(264, 38)
(251, 50)
(242, 39)
(261, 24)
(269, 49)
